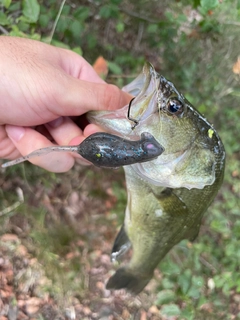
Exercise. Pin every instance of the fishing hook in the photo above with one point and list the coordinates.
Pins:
(130, 118)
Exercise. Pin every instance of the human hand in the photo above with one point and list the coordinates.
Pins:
(41, 88)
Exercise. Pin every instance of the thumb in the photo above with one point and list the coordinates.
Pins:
(79, 96)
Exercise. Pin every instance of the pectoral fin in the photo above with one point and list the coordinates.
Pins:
(172, 203)
(121, 244)
(194, 231)
(174, 206)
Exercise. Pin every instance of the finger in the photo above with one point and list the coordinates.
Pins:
(78, 67)
(7, 148)
(101, 97)
(84, 96)
(91, 129)
(65, 132)
(27, 140)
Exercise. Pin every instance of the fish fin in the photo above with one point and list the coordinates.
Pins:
(173, 204)
(194, 232)
(124, 278)
(121, 244)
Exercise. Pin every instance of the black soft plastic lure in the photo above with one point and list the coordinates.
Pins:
(106, 150)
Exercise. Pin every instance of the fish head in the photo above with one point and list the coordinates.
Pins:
(190, 143)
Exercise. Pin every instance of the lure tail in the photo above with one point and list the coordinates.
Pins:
(125, 278)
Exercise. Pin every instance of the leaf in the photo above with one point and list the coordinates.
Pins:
(101, 67)
(168, 267)
(114, 68)
(209, 4)
(165, 296)
(3, 19)
(195, 289)
(31, 10)
(120, 27)
(76, 27)
(171, 310)
(6, 3)
(105, 12)
(167, 283)
(43, 20)
(78, 50)
(184, 281)
(35, 36)
(92, 41)
(109, 11)
(63, 24)
(16, 32)
(196, 3)
(15, 7)
(60, 44)
(81, 13)
(187, 314)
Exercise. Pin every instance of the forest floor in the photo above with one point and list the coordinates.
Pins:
(54, 264)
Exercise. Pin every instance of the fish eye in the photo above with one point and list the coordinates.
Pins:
(174, 106)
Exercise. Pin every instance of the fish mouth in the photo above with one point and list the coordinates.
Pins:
(151, 91)
(145, 90)
(165, 171)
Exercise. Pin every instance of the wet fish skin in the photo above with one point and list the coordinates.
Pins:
(167, 197)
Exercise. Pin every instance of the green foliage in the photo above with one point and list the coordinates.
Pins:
(6, 3)
(165, 296)
(171, 310)
(207, 5)
(30, 10)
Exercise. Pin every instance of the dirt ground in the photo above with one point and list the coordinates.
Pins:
(56, 267)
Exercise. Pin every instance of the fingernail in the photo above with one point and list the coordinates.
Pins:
(15, 133)
(56, 123)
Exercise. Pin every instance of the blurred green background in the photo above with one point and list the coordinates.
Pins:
(68, 221)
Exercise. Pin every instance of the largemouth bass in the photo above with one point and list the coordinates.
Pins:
(168, 196)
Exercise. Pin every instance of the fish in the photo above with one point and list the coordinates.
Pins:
(105, 150)
(167, 196)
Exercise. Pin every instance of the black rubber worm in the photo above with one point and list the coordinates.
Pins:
(106, 150)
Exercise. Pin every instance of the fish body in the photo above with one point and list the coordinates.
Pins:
(167, 196)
